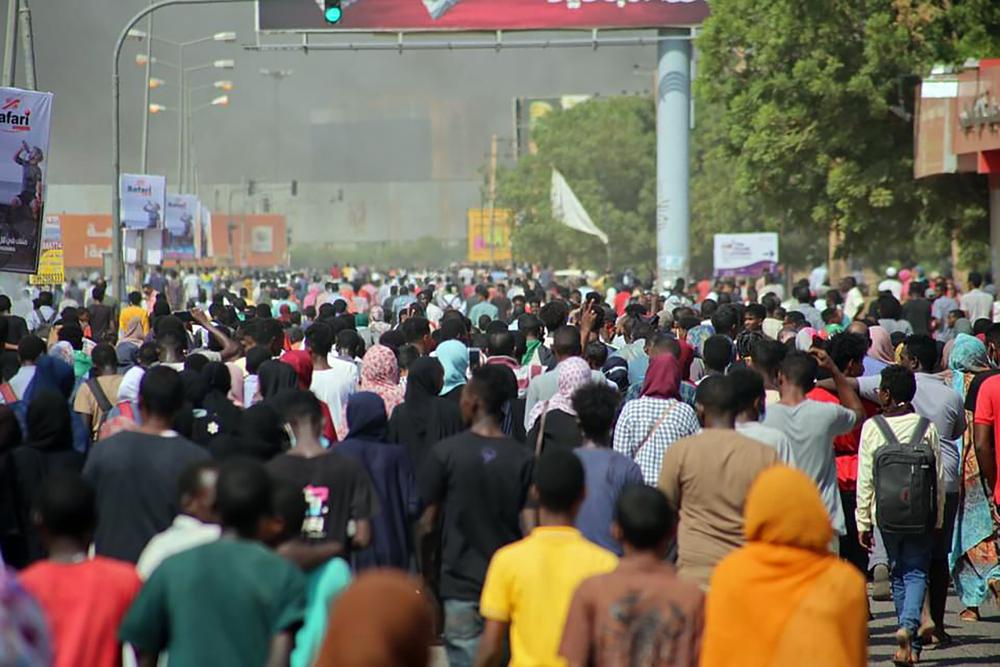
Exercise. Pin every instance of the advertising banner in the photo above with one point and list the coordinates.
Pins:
(205, 233)
(25, 119)
(262, 239)
(86, 239)
(479, 15)
(143, 200)
(181, 227)
(51, 269)
(745, 254)
(489, 234)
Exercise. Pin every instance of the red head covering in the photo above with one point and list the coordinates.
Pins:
(663, 378)
(285, 313)
(301, 361)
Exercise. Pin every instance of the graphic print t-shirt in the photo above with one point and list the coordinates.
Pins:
(336, 488)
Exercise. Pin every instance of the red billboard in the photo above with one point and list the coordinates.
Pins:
(480, 15)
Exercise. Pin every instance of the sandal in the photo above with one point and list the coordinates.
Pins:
(970, 615)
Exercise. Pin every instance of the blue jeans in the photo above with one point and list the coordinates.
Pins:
(909, 561)
(463, 626)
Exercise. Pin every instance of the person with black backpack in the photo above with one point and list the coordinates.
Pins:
(901, 491)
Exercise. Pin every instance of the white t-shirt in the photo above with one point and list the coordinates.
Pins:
(334, 387)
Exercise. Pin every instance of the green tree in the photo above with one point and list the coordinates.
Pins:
(809, 124)
(606, 149)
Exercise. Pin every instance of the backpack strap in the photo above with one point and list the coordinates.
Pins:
(7, 392)
(919, 431)
(102, 398)
(887, 431)
(656, 427)
(540, 438)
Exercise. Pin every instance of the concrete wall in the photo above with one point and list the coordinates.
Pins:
(323, 212)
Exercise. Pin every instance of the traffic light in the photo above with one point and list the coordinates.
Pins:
(332, 11)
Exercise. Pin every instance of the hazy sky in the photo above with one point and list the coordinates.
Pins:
(372, 115)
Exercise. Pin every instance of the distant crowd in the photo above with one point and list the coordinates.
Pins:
(348, 467)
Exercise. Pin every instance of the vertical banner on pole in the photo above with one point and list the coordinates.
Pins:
(51, 268)
(143, 200)
(181, 227)
(205, 233)
(25, 120)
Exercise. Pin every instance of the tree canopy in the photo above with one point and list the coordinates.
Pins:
(803, 123)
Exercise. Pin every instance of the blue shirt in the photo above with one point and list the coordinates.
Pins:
(607, 473)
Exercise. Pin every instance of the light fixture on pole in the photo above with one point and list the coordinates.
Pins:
(227, 63)
(155, 83)
(223, 85)
(220, 101)
(156, 108)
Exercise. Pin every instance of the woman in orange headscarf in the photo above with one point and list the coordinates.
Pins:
(381, 619)
(784, 599)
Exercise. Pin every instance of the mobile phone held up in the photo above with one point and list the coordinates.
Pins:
(475, 358)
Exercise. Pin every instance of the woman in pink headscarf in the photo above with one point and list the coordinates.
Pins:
(552, 423)
(380, 375)
(881, 348)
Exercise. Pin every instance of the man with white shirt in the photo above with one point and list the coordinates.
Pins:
(334, 379)
(28, 351)
(891, 284)
(196, 524)
(43, 313)
(854, 300)
(976, 303)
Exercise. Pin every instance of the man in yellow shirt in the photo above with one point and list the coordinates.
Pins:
(530, 583)
(132, 310)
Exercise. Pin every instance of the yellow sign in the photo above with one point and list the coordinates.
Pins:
(489, 234)
(51, 269)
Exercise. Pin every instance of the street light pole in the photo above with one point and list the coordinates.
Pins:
(180, 119)
(117, 264)
(10, 44)
(144, 157)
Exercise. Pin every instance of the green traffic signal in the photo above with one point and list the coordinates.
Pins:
(332, 11)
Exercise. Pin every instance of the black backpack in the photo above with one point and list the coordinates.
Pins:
(905, 478)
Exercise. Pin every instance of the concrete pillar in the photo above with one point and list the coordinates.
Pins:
(673, 121)
(995, 225)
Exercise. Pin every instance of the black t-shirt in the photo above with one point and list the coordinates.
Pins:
(561, 432)
(17, 329)
(481, 485)
(100, 320)
(337, 489)
(918, 313)
(135, 478)
(973, 393)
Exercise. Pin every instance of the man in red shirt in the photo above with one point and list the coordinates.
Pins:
(848, 352)
(986, 433)
(84, 600)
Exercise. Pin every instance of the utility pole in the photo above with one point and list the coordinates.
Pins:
(492, 192)
(10, 44)
(144, 157)
(28, 44)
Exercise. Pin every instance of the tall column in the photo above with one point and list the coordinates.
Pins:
(673, 122)
(995, 225)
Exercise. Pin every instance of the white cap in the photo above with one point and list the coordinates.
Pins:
(891, 272)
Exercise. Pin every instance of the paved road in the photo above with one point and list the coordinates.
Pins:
(977, 643)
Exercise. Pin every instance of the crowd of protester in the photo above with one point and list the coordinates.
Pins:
(347, 468)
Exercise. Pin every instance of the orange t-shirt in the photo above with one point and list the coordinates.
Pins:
(84, 604)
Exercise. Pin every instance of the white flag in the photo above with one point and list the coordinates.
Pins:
(567, 209)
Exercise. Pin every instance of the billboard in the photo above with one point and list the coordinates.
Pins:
(262, 239)
(479, 15)
(143, 199)
(25, 118)
(51, 270)
(745, 254)
(181, 223)
(489, 234)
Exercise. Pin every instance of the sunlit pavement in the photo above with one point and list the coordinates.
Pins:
(976, 643)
